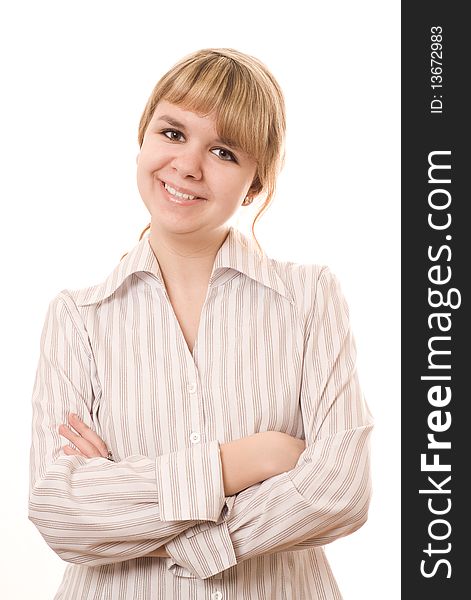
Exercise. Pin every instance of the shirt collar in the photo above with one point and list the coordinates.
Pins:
(237, 252)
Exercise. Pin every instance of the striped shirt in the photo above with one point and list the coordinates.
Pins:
(274, 351)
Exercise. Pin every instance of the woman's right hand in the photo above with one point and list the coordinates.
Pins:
(252, 459)
(281, 451)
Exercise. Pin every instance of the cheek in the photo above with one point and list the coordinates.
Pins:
(232, 184)
(147, 168)
(144, 180)
(152, 155)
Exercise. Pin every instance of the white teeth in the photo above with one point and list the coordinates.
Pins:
(178, 194)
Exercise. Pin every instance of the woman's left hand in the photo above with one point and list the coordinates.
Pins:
(90, 445)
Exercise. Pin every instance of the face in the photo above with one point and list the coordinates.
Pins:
(182, 154)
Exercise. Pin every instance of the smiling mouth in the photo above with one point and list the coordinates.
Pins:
(180, 198)
(180, 195)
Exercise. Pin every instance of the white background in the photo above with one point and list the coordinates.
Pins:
(75, 79)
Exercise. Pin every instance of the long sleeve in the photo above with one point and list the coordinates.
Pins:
(93, 511)
(326, 496)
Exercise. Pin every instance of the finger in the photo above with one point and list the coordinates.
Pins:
(71, 452)
(83, 445)
(161, 552)
(88, 434)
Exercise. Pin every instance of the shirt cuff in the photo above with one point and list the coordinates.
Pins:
(190, 484)
(204, 550)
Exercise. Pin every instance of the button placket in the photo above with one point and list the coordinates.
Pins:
(192, 388)
(195, 437)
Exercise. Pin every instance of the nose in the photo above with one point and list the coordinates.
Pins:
(188, 162)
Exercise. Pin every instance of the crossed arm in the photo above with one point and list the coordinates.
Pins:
(245, 461)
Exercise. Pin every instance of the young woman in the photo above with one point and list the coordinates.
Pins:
(219, 436)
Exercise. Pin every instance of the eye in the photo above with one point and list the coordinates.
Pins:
(174, 134)
(225, 155)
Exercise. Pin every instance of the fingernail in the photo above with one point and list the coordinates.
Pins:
(73, 416)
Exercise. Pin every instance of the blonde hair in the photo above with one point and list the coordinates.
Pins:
(248, 105)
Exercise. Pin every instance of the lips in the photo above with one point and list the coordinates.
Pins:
(181, 201)
(182, 191)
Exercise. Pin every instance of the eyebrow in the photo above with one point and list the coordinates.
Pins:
(171, 121)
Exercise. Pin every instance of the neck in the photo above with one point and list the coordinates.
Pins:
(186, 259)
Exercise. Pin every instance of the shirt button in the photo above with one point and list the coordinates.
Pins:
(195, 437)
(216, 595)
(192, 388)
